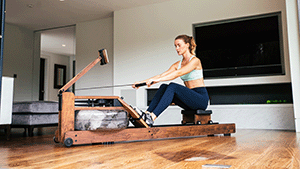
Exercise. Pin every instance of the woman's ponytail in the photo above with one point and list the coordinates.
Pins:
(190, 40)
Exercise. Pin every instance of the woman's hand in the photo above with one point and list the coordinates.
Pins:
(135, 83)
(151, 82)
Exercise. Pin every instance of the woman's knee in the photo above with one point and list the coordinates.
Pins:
(163, 86)
(173, 85)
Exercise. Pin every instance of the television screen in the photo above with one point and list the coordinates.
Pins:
(248, 46)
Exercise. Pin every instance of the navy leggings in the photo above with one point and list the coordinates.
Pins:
(188, 99)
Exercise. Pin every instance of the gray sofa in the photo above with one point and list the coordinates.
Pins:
(33, 114)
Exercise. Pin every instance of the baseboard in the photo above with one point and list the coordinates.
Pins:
(277, 117)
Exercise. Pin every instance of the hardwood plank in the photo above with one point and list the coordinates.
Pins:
(247, 152)
(135, 157)
(244, 149)
(108, 155)
(204, 154)
(279, 154)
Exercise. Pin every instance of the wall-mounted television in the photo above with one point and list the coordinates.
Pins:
(248, 46)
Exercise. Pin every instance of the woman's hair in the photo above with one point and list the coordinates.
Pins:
(190, 40)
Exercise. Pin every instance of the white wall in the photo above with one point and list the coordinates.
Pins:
(145, 35)
(19, 59)
(143, 46)
(294, 44)
(90, 37)
(140, 44)
(50, 60)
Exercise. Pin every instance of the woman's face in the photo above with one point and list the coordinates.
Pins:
(181, 47)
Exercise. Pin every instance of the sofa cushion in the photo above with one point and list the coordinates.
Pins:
(35, 107)
(34, 119)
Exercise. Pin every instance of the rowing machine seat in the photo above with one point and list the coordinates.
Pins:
(196, 116)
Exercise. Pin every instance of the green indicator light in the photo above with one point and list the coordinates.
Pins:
(276, 101)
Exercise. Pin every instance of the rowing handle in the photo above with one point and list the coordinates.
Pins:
(142, 84)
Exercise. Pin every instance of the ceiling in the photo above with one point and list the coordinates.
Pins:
(44, 15)
(59, 41)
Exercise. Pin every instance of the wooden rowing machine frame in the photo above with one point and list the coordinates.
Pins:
(141, 131)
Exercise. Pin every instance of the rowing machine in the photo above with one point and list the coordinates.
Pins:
(67, 134)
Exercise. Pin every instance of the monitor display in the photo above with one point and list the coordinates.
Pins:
(250, 46)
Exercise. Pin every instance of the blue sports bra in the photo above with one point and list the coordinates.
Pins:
(193, 75)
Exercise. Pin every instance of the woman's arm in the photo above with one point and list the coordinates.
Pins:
(179, 72)
(172, 73)
(152, 81)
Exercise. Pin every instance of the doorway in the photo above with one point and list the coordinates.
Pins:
(42, 80)
(57, 47)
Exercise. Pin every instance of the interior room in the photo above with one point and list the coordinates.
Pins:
(250, 56)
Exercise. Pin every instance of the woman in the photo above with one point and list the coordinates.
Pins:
(192, 96)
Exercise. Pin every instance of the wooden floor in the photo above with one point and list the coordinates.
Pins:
(244, 149)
